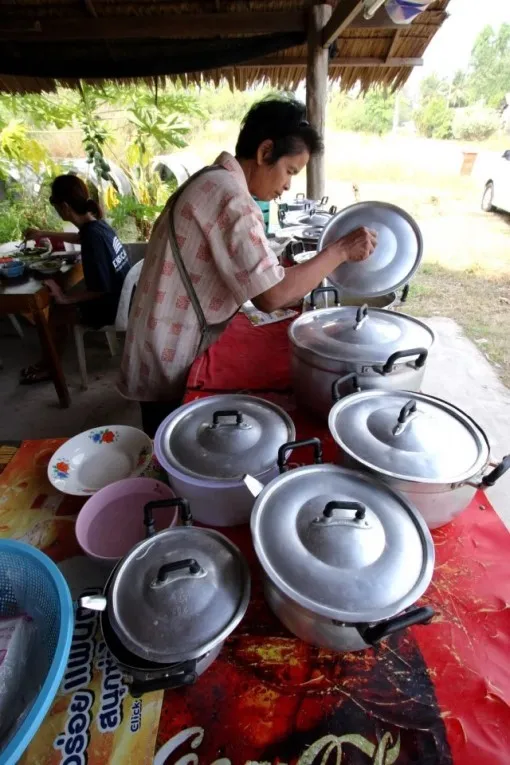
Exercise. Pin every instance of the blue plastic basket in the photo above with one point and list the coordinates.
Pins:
(31, 583)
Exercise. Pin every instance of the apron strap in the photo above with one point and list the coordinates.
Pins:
(179, 262)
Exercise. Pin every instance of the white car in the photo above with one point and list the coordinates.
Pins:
(496, 193)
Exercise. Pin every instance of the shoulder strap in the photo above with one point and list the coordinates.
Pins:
(188, 285)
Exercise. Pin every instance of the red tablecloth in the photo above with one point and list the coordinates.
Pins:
(436, 694)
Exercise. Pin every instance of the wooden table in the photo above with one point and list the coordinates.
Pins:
(31, 296)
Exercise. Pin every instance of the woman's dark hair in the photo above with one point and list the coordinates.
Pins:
(73, 191)
(282, 120)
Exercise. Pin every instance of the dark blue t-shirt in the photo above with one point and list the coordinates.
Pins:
(105, 265)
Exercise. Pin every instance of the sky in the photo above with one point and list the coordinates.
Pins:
(451, 47)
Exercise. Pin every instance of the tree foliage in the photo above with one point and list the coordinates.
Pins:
(489, 75)
(434, 119)
(475, 123)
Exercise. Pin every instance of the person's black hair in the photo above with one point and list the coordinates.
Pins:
(73, 191)
(282, 120)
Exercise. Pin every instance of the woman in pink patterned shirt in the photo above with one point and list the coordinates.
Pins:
(208, 254)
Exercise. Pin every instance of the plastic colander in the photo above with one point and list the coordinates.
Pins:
(31, 583)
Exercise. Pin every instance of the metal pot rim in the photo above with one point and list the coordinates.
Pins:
(452, 482)
(361, 617)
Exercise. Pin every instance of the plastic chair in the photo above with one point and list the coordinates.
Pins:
(121, 322)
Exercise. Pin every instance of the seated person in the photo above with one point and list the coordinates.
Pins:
(105, 265)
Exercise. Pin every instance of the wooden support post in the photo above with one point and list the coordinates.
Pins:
(316, 93)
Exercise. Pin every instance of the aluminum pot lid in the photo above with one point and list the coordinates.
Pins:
(178, 594)
(223, 437)
(310, 234)
(411, 436)
(350, 333)
(397, 254)
(341, 545)
(315, 219)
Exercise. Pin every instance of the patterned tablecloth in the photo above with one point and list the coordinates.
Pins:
(435, 694)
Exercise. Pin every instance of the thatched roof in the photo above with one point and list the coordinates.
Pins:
(245, 41)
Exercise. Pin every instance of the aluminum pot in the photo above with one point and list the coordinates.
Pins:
(387, 350)
(169, 605)
(345, 558)
(207, 446)
(418, 444)
(327, 296)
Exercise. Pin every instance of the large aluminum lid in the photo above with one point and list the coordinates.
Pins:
(223, 437)
(410, 436)
(358, 334)
(397, 254)
(167, 616)
(342, 545)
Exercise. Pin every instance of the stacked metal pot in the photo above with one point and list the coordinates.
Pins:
(428, 449)
(345, 549)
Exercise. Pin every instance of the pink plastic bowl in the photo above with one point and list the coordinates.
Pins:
(110, 523)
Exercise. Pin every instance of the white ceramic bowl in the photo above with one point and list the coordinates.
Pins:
(98, 457)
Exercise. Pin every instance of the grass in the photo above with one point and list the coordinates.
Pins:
(479, 302)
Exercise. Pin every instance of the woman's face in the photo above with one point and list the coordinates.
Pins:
(269, 181)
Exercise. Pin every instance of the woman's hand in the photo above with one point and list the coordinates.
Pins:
(356, 246)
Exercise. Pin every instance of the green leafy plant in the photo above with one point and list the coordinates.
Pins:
(475, 123)
(435, 118)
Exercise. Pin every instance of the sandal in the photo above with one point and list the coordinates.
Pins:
(34, 374)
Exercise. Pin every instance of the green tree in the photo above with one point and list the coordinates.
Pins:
(434, 119)
(458, 90)
(490, 66)
(433, 86)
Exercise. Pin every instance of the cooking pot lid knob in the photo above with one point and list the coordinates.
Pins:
(361, 315)
(195, 570)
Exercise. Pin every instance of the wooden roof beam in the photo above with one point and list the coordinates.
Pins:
(169, 26)
(349, 62)
(342, 17)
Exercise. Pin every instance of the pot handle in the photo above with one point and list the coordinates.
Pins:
(181, 675)
(323, 201)
(335, 388)
(405, 415)
(300, 197)
(148, 518)
(93, 602)
(284, 451)
(358, 521)
(333, 210)
(226, 413)
(323, 291)
(359, 508)
(405, 293)
(422, 354)
(373, 635)
(194, 568)
(490, 479)
(361, 313)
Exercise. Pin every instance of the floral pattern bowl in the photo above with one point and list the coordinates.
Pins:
(99, 457)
